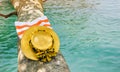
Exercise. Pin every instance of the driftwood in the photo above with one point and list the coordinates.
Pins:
(28, 10)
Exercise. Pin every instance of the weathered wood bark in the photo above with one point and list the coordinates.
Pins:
(29, 10)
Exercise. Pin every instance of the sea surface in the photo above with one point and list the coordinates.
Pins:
(89, 32)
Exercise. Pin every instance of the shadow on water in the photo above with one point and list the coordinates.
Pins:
(8, 39)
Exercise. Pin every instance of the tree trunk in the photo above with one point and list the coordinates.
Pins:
(28, 10)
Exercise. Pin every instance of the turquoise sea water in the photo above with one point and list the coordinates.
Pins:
(89, 31)
(8, 40)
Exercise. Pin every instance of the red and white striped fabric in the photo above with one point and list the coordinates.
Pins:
(22, 26)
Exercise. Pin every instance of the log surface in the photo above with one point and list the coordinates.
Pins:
(29, 10)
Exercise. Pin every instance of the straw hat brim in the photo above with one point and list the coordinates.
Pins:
(25, 46)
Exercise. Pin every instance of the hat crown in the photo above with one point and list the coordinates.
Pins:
(41, 40)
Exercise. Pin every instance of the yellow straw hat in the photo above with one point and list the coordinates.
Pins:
(40, 43)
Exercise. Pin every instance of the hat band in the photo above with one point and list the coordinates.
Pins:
(21, 27)
(44, 55)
